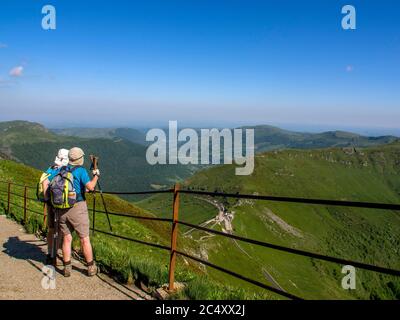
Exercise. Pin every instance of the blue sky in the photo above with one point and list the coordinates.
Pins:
(201, 62)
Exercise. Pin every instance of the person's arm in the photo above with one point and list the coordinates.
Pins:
(45, 185)
(91, 185)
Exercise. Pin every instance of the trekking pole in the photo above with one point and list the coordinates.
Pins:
(94, 161)
(55, 238)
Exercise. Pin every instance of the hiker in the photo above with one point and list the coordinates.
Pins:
(61, 160)
(77, 217)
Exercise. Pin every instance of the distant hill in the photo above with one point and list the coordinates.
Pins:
(372, 236)
(266, 137)
(122, 150)
(20, 132)
(273, 138)
(122, 162)
(132, 135)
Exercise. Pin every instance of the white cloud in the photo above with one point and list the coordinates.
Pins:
(16, 71)
(3, 45)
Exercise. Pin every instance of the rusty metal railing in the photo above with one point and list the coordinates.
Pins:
(175, 222)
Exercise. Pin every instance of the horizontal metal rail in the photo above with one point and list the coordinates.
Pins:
(16, 205)
(160, 246)
(16, 194)
(127, 215)
(17, 184)
(297, 252)
(369, 205)
(239, 276)
(37, 212)
(355, 204)
(138, 192)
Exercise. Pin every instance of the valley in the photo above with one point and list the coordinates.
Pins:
(342, 172)
(364, 174)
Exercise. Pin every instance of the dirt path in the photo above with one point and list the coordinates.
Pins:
(21, 260)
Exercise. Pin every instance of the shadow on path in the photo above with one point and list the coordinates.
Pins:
(23, 250)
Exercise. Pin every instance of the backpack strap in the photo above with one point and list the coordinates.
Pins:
(74, 168)
(64, 168)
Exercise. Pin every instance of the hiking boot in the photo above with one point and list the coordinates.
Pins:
(92, 269)
(67, 269)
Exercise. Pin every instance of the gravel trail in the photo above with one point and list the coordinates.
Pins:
(22, 257)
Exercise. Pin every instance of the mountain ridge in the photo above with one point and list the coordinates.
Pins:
(122, 162)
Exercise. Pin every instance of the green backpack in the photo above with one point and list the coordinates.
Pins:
(40, 194)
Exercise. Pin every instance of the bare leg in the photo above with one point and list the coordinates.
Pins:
(87, 249)
(88, 253)
(66, 247)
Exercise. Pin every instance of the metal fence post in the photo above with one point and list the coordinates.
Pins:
(174, 236)
(9, 198)
(94, 212)
(25, 216)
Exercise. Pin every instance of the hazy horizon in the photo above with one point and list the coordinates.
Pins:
(299, 127)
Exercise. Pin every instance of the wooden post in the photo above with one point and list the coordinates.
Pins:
(174, 237)
(9, 198)
(94, 212)
(25, 216)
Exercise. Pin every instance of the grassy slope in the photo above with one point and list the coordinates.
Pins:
(128, 260)
(191, 208)
(371, 236)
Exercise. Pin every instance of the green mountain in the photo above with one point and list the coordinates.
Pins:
(266, 137)
(123, 163)
(367, 235)
(132, 135)
(272, 138)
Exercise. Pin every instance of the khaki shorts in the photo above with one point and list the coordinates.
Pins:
(76, 218)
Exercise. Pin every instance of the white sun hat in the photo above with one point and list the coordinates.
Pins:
(62, 158)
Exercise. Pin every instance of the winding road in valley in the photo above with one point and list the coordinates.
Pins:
(225, 220)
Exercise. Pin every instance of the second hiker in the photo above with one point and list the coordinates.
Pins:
(60, 161)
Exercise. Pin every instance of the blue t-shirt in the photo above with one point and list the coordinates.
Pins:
(52, 172)
(81, 179)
